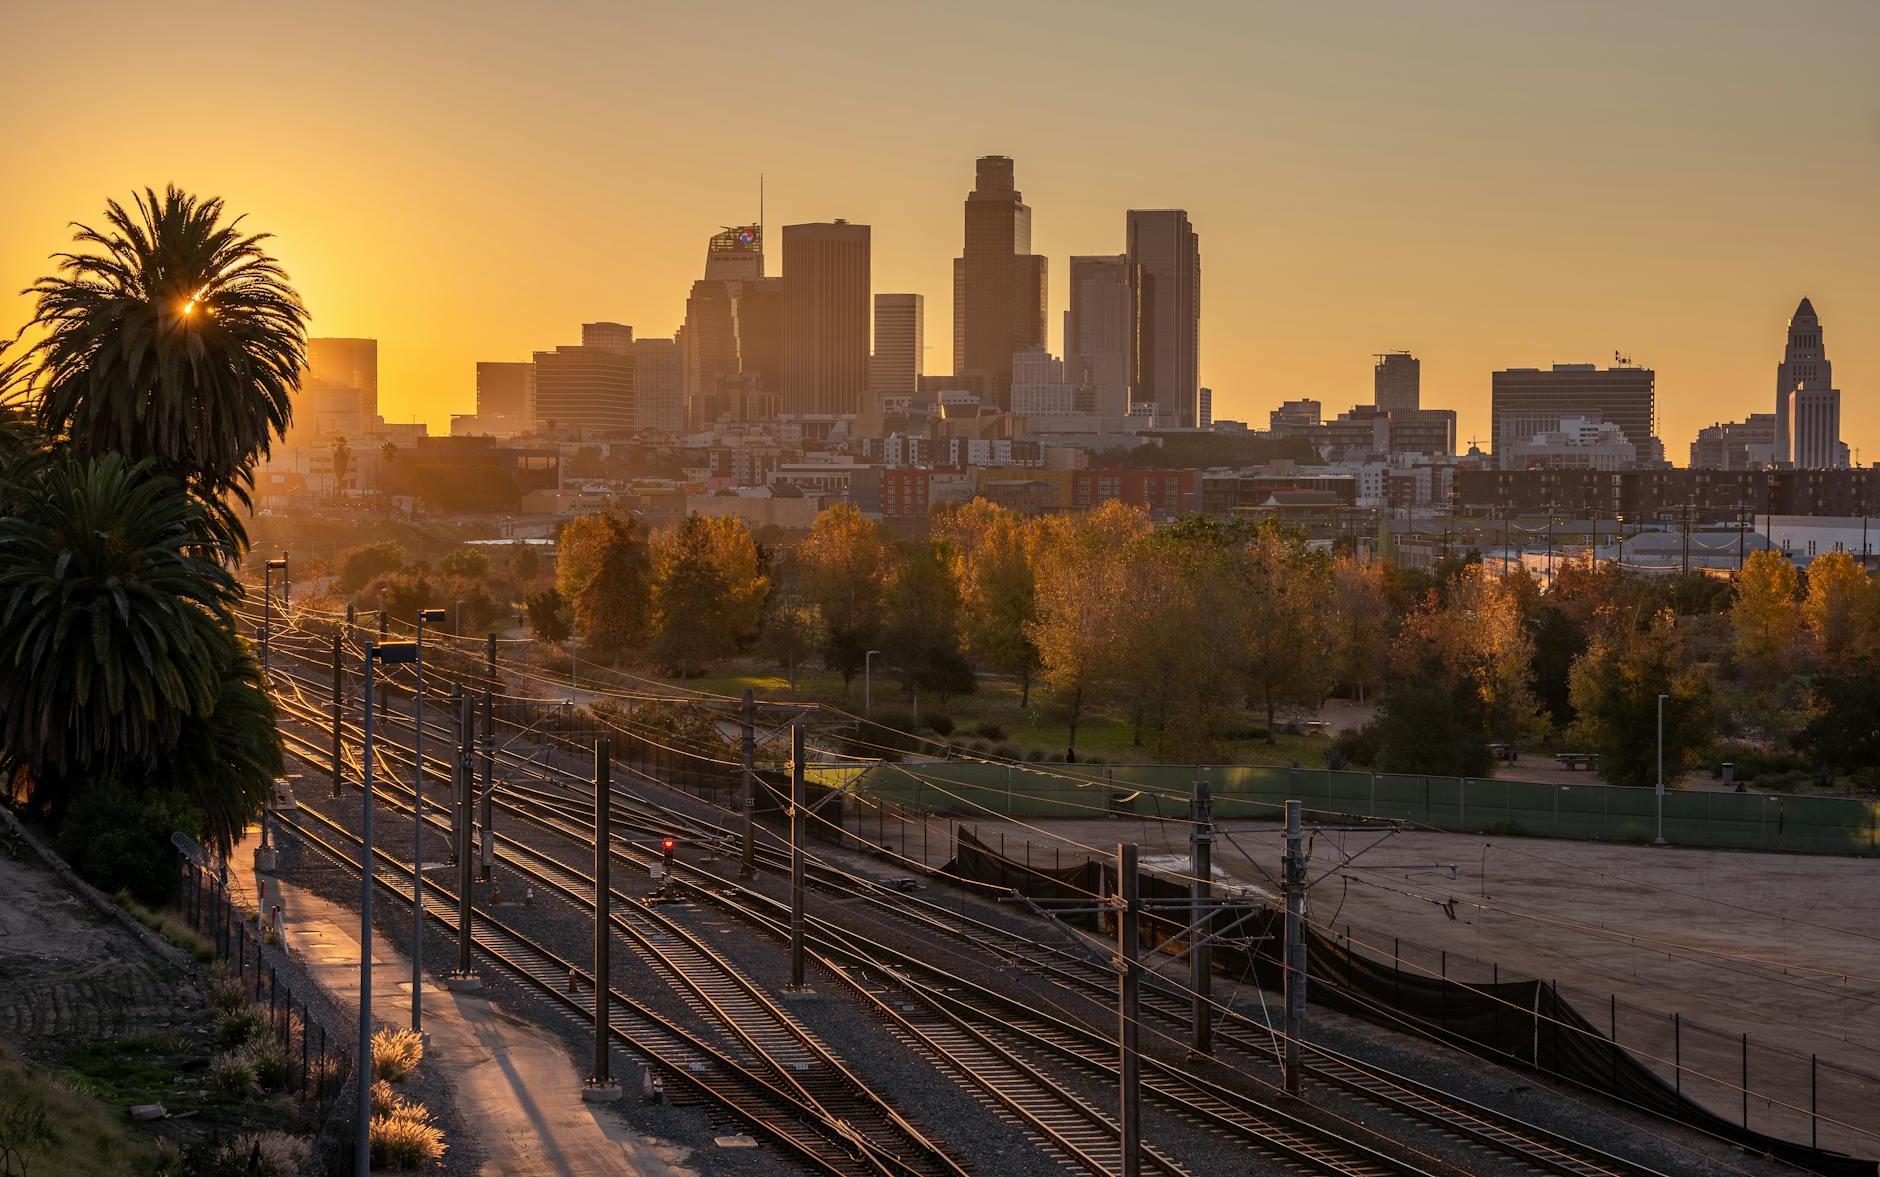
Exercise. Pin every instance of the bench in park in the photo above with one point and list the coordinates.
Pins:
(1577, 760)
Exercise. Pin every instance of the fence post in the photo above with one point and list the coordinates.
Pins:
(1677, 1053)
(1612, 1032)
(1814, 1115)
(1442, 991)
(1495, 980)
(1746, 1082)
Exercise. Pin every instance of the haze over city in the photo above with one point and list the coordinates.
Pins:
(1489, 185)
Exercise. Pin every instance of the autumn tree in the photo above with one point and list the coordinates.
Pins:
(1838, 613)
(1277, 635)
(604, 571)
(998, 588)
(1764, 617)
(1615, 688)
(1495, 651)
(1361, 618)
(706, 592)
(1081, 605)
(1432, 720)
(845, 566)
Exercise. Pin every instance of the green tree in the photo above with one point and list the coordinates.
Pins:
(921, 624)
(171, 336)
(1279, 638)
(1615, 689)
(998, 589)
(1433, 719)
(706, 592)
(549, 616)
(1360, 620)
(844, 566)
(1843, 729)
(1082, 605)
(468, 563)
(360, 566)
(113, 622)
(342, 465)
(604, 571)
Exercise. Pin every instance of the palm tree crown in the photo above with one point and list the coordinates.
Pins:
(113, 617)
(174, 338)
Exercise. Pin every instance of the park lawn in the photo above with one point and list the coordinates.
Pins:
(1041, 727)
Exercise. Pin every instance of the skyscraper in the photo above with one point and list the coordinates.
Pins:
(1527, 401)
(999, 286)
(1805, 368)
(730, 347)
(1097, 330)
(587, 388)
(607, 336)
(1397, 381)
(825, 317)
(657, 403)
(506, 396)
(900, 337)
(1165, 302)
(339, 391)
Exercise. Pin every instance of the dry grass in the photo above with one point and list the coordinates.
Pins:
(270, 1061)
(270, 1154)
(395, 1054)
(324, 1077)
(232, 1074)
(241, 1025)
(168, 924)
(406, 1139)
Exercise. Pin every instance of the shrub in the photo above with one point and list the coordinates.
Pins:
(270, 1154)
(324, 1077)
(226, 994)
(386, 1101)
(269, 1060)
(1035, 755)
(1007, 752)
(1354, 746)
(940, 725)
(989, 730)
(395, 1053)
(232, 1075)
(241, 1025)
(406, 1140)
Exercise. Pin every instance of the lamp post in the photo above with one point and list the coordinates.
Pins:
(1658, 838)
(868, 682)
(417, 824)
(267, 599)
(389, 653)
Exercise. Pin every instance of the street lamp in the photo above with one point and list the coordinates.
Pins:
(868, 682)
(1658, 838)
(267, 597)
(417, 824)
(391, 654)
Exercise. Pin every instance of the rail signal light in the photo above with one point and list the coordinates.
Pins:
(666, 846)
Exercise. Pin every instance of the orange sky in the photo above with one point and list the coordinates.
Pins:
(1489, 183)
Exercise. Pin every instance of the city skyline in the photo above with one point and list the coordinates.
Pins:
(1358, 199)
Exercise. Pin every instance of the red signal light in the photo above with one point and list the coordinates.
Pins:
(667, 845)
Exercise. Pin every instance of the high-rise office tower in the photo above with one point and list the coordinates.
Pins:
(1097, 330)
(731, 343)
(1205, 402)
(1527, 401)
(657, 403)
(825, 317)
(900, 338)
(587, 388)
(999, 285)
(1805, 368)
(607, 336)
(506, 396)
(1165, 301)
(339, 390)
(1397, 381)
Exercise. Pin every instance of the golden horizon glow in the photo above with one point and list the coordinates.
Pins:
(1486, 184)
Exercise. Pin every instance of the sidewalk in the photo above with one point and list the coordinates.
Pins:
(513, 1081)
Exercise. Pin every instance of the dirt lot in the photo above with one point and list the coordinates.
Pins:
(1779, 947)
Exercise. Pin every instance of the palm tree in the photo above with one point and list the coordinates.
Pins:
(175, 337)
(225, 762)
(113, 621)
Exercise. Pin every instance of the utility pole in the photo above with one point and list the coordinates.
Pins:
(362, 1109)
(1658, 837)
(747, 745)
(339, 693)
(1201, 895)
(417, 826)
(798, 795)
(1129, 968)
(1294, 880)
(466, 735)
(600, 1085)
(489, 657)
(489, 787)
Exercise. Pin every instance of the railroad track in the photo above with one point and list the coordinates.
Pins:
(685, 1060)
(1248, 1042)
